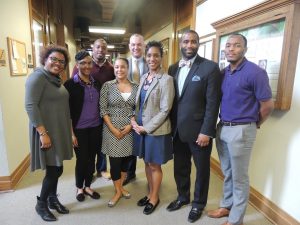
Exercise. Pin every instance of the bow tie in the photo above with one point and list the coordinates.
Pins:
(183, 63)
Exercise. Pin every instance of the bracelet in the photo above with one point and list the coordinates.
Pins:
(43, 133)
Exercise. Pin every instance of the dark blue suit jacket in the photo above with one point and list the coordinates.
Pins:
(196, 110)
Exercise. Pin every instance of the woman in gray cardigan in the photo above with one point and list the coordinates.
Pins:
(47, 106)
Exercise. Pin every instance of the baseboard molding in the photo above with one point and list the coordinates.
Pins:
(261, 203)
(8, 183)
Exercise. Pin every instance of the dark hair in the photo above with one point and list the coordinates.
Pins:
(242, 36)
(191, 32)
(54, 48)
(81, 55)
(124, 59)
(154, 44)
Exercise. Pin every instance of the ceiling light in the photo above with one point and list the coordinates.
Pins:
(106, 30)
(110, 46)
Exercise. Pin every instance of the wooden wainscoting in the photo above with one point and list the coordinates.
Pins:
(8, 183)
(260, 202)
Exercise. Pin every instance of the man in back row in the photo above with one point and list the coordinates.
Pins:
(246, 104)
(137, 68)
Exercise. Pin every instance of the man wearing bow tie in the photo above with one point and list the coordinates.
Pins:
(194, 115)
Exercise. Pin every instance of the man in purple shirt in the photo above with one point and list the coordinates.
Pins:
(102, 71)
(246, 103)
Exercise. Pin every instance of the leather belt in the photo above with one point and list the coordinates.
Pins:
(227, 123)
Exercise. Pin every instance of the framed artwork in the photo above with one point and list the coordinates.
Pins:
(2, 57)
(206, 46)
(165, 59)
(17, 57)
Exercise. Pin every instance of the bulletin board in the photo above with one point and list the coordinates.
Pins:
(17, 57)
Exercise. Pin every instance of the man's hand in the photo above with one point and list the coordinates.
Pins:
(202, 140)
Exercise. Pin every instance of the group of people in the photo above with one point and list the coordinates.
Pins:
(135, 109)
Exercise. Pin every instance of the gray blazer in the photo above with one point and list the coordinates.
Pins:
(157, 105)
(145, 68)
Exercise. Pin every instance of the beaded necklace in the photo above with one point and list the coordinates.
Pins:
(84, 82)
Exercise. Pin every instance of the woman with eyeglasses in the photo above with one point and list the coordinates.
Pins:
(152, 125)
(117, 102)
(86, 125)
(47, 106)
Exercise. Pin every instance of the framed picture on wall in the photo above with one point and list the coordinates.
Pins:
(207, 45)
(17, 57)
(2, 57)
(165, 59)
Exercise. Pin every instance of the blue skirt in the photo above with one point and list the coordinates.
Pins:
(153, 149)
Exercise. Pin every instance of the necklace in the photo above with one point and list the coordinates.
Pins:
(147, 82)
(85, 82)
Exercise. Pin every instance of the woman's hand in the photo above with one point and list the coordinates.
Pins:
(74, 141)
(45, 141)
(135, 126)
(139, 129)
(117, 133)
(133, 123)
(126, 130)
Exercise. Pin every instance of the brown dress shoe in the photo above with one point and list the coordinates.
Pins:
(218, 213)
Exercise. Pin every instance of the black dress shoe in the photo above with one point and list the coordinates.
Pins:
(53, 203)
(176, 204)
(143, 201)
(94, 195)
(80, 197)
(194, 215)
(129, 179)
(149, 208)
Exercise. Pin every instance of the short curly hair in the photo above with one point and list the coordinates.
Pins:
(54, 48)
(156, 44)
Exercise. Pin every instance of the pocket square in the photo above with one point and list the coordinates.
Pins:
(196, 78)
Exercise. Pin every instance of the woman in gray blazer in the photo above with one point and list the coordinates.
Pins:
(152, 125)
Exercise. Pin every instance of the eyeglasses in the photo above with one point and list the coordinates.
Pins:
(56, 60)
